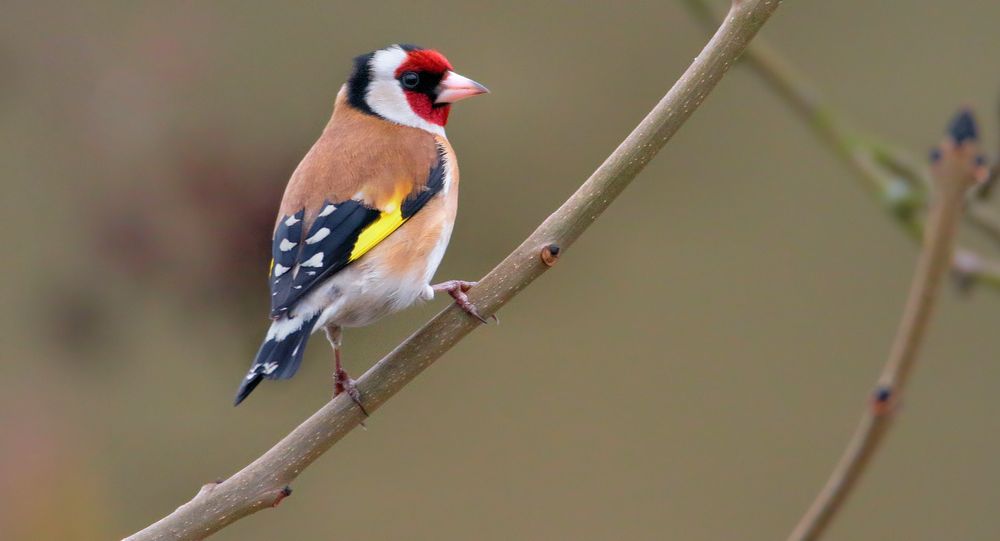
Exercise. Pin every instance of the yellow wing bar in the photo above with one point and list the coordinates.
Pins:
(375, 233)
(382, 227)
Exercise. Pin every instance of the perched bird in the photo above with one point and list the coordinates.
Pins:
(367, 214)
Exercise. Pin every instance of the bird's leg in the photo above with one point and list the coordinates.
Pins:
(458, 289)
(341, 381)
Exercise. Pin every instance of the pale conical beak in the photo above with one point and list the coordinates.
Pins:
(454, 87)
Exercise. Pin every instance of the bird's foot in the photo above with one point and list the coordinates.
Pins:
(342, 383)
(458, 289)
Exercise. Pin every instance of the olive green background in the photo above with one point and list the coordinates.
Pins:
(690, 370)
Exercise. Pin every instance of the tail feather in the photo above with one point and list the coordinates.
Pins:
(277, 358)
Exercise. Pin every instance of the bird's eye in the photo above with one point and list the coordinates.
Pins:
(410, 79)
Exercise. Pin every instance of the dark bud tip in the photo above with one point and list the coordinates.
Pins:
(963, 127)
(881, 400)
(282, 494)
(550, 254)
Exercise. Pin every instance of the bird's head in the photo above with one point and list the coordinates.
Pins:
(408, 85)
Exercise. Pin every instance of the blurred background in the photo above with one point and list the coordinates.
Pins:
(691, 370)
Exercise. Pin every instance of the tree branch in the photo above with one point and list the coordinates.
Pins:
(890, 174)
(954, 172)
(265, 481)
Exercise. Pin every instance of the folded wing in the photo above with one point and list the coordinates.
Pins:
(341, 233)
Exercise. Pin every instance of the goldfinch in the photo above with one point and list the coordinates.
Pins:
(367, 214)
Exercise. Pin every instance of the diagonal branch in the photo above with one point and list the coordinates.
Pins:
(954, 172)
(264, 482)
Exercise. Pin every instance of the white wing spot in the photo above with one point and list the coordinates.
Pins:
(270, 367)
(292, 220)
(314, 261)
(280, 269)
(318, 236)
(287, 245)
(327, 210)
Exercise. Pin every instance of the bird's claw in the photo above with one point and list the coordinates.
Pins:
(458, 289)
(344, 384)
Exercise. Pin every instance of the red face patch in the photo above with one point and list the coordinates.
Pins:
(422, 106)
(431, 62)
(427, 60)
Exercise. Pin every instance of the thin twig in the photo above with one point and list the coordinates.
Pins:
(891, 175)
(264, 482)
(985, 189)
(954, 172)
(983, 219)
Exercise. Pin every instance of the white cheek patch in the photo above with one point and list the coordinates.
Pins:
(387, 61)
(385, 96)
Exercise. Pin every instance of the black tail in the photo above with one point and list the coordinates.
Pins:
(277, 359)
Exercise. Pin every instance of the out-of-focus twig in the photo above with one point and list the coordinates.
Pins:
(891, 174)
(265, 482)
(983, 219)
(985, 189)
(954, 171)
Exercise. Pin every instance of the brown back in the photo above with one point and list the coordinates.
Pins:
(359, 155)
